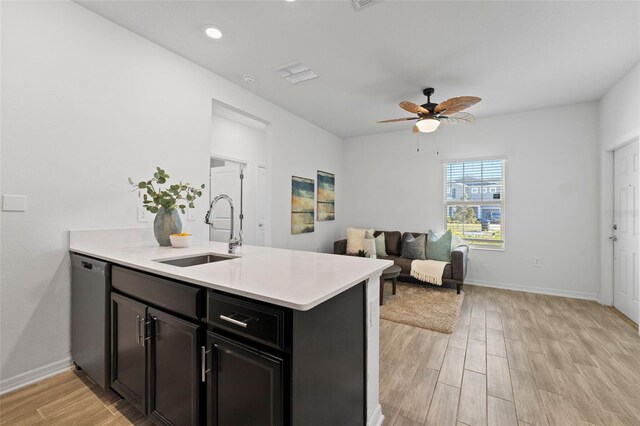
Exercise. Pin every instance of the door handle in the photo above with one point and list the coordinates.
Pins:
(141, 335)
(203, 364)
(138, 329)
(613, 238)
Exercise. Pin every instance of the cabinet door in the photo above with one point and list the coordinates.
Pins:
(245, 386)
(175, 378)
(128, 351)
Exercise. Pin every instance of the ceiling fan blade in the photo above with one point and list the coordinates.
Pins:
(453, 105)
(415, 129)
(398, 119)
(458, 118)
(411, 107)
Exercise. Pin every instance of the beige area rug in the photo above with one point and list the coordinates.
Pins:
(424, 306)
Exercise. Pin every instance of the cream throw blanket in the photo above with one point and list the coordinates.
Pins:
(429, 271)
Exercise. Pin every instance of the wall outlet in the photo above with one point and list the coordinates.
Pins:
(537, 262)
(143, 215)
(190, 215)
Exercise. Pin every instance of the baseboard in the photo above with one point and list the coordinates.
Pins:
(34, 375)
(376, 418)
(540, 290)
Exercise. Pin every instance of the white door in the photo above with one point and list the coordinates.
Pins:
(225, 180)
(625, 253)
(262, 203)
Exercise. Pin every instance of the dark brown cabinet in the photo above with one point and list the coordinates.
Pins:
(174, 379)
(245, 385)
(156, 362)
(186, 356)
(128, 358)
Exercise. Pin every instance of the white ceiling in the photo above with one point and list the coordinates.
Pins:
(515, 55)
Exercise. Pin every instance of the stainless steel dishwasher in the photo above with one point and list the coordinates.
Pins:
(90, 317)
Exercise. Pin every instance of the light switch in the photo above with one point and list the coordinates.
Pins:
(14, 203)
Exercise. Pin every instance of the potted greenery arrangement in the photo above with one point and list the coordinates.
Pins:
(165, 202)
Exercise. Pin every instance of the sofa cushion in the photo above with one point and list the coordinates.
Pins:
(381, 249)
(404, 264)
(439, 248)
(407, 235)
(405, 267)
(391, 241)
(414, 247)
(355, 239)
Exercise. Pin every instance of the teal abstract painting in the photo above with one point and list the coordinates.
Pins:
(302, 205)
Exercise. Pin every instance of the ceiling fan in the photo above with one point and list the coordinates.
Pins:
(430, 115)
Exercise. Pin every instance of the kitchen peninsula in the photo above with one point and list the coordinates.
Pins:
(261, 336)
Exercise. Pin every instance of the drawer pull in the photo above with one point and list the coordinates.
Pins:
(234, 321)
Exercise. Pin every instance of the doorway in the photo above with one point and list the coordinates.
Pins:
(626, 230)
(239, 168)
(226, 177)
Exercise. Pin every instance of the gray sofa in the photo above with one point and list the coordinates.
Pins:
(454, 273)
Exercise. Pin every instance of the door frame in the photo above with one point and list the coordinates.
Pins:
(607, 217)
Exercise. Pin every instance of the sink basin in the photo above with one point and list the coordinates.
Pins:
(198, 259)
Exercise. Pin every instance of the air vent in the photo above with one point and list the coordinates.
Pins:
(359, 4)
(296, 72)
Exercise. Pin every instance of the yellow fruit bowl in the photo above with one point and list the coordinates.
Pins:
(181, 240)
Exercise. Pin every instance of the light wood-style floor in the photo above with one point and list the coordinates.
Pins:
(514, 359)
(69, 399)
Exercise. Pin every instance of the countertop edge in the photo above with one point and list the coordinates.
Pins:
(279, 302)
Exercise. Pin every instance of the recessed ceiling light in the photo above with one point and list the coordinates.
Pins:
(290, 1)
(213, 33)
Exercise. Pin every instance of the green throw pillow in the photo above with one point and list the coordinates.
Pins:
(439, 248)
(380, 245)
(413, 247)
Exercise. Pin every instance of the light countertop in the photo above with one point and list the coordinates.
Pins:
(295, 279)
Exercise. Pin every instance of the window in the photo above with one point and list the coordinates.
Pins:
(474, 201)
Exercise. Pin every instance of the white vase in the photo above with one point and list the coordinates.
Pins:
(370, 248)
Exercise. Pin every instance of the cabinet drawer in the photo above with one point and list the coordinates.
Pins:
(176, 297)
(251, 320)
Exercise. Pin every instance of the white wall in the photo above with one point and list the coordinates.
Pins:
(619, 118)
(86, 104)
(551, 191)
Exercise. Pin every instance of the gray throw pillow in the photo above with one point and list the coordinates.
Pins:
(414, 247)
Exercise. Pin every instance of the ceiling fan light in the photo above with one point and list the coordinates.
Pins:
(428, 125)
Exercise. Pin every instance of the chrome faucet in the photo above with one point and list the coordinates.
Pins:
(211, 216)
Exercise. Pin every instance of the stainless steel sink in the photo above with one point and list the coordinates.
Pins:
(198, 259)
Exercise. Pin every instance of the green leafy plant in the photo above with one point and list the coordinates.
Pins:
(180, 195)
(362, 253)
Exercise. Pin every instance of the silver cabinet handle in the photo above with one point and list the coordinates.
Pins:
(146, 330)
(203, 363)
(233, 321)
(138, 329)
